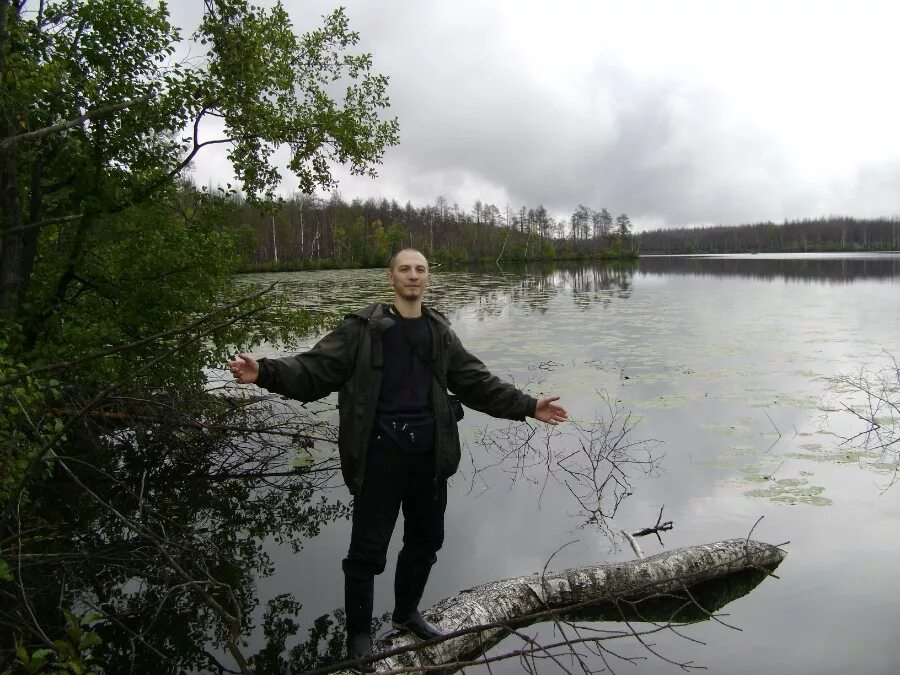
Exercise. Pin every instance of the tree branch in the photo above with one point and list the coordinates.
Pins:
(137, 343)
(9, 141)
(4, 35)
(45, 221)
(46, 450)
(187, 160)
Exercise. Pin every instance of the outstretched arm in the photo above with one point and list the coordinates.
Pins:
(244, 368)
(470, 379)
(308, 376)
(549, 411)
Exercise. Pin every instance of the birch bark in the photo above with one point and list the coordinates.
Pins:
(590, 591)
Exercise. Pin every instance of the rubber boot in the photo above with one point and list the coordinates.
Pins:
(409, 585)
(359, 595)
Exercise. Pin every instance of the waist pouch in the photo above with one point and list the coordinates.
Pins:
(456, 407)
(411, 432)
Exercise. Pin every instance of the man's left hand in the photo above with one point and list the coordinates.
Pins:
(549, 411)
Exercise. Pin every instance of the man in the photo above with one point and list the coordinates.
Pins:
(398, 440)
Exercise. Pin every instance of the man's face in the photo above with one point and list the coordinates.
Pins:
(409, 276)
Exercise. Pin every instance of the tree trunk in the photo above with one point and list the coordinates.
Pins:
(12, 248)
(596, 593)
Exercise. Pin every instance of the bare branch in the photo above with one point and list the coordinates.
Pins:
(46, 450)
(9, 141)
(142, 341)
(45, 221)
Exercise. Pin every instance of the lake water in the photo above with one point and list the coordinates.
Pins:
(724, 363)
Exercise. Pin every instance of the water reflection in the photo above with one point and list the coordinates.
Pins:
(870, 397)
(489, 291)
(822, 268)
(696, 603)
(613, 622)
(722, 369)
(174, 551)
(485, 292)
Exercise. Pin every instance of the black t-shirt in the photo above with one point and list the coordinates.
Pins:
(405, 378)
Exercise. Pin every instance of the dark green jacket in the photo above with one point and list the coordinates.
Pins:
(349, 360)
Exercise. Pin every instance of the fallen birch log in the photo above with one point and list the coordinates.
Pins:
(606, 592)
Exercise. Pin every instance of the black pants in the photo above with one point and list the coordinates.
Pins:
(396, 479)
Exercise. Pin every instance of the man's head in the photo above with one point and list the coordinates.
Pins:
(408, 274)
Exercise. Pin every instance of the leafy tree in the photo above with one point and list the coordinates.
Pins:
(605, 224)
(395, 234)
(94, 111)
(581, 219)
(542, 220)
(116, 297)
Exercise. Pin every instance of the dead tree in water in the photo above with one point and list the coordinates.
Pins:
(479, 618)
(871, 398)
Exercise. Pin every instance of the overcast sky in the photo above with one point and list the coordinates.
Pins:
(676, 113)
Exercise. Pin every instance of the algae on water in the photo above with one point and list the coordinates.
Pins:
(792, 491)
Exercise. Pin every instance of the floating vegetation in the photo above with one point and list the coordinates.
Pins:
(741, 451)
(717, 351)
(732, 458)
(762, 470)
(303, 460)
(758, 480)
(790, 400)
(647, 378)
(724, 461)
(853, 456)
(726, 429)
(816, 452)
(735, 458)
(667, 401)
(792, 491)
(749, 422)
(886, 420)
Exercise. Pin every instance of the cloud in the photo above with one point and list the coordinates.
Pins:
(674, 116)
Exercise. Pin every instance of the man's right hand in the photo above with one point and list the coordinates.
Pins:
(244, 368)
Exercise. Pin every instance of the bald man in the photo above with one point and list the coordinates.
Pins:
(392, 366)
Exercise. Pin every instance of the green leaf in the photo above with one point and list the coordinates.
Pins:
(36, 665)
(5, 574)
(21, 652)
(90, 617)
(88, 641)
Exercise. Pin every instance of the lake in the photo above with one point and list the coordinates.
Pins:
(725, 367)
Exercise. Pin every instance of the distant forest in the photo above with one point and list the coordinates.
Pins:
(834, 233)
(304, 232)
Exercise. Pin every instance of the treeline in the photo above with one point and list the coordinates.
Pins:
(833, 233)
(306, 232)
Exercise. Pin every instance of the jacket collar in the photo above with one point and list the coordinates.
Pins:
(379, 313)
(378, 317)
(435, 316)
